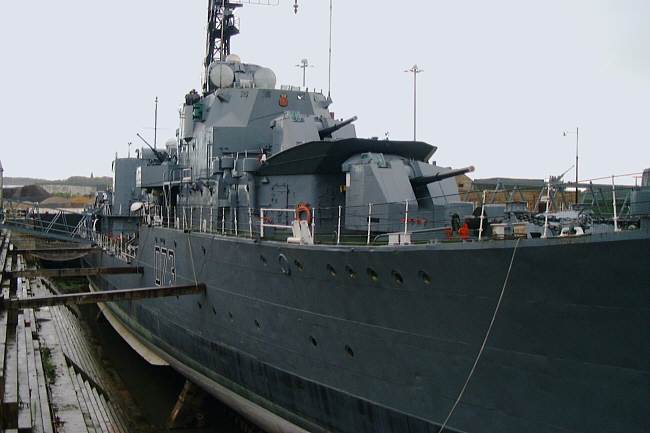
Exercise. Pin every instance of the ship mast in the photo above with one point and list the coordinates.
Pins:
(222, 26)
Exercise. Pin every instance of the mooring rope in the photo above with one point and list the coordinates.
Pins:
(485, 339)
(189, 243)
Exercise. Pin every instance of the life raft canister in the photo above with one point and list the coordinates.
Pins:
(303, 208)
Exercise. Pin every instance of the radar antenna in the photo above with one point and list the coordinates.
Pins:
(223, 25)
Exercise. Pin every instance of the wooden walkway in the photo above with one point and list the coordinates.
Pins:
(50, 379)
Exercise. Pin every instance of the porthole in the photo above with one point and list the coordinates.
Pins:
(299, 265)
(372, 275)
(313, 340)
(257, 324)
(351, 273)
(230, 316)
(199, 305)
(214, 311)
(203, 250)
(397, 277)
(263, 260)
(349, 351)
(426, 279)
(331, 270)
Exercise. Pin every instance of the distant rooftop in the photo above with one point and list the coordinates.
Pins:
(509, 182)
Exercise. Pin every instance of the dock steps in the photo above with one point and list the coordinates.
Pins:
(84, 369)
(50, 379)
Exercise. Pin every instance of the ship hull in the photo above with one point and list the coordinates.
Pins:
(356, 340)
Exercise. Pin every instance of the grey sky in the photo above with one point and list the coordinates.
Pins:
(502, 80)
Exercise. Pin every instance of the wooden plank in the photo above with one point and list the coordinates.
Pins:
(114, 415)
(74, 348)
(3, 342)
(22, 290)
(8, 264)
(83, 374)
(110, 428)
(107, 296)
(99, 417)
(3, 261)
(83, 402)
(10, 398)
(34, 390)
(64, 343)
(29, 321)
(48, 426)
(12, 281)
(4, 251)
(85, 352)
(76, 272)
(24, 400)
(64, 399)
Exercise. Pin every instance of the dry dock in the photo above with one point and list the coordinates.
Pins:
(50, 380)
(53, 376)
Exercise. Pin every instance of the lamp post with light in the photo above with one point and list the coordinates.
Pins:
(577, 134)
(415, 71)
(304, 64)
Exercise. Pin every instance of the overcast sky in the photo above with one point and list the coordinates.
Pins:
(502, 78)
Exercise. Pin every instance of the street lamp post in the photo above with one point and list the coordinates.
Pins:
(415, 71)
(577, 134)
(1, 192)
(155, 124)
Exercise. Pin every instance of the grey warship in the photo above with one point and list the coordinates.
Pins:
(343, 294)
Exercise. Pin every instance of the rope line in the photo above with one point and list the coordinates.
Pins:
(189, 243)
(485, 339)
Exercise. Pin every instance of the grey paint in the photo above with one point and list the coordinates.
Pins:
(124, 184)
(413, 342)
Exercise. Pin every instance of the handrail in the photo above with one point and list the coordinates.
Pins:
(277, 226)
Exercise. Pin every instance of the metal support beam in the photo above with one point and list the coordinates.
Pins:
(61, 250)
(74, 272)
(105, 296)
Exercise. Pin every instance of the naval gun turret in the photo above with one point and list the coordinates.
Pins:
(327, 132)
(425, 180)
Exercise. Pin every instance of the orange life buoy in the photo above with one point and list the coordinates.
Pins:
(463, 232)
(303, 208)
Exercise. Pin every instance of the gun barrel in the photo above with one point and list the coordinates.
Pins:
(425, 180)
(327, 132)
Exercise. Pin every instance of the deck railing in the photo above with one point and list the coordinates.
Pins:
(373, 223)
